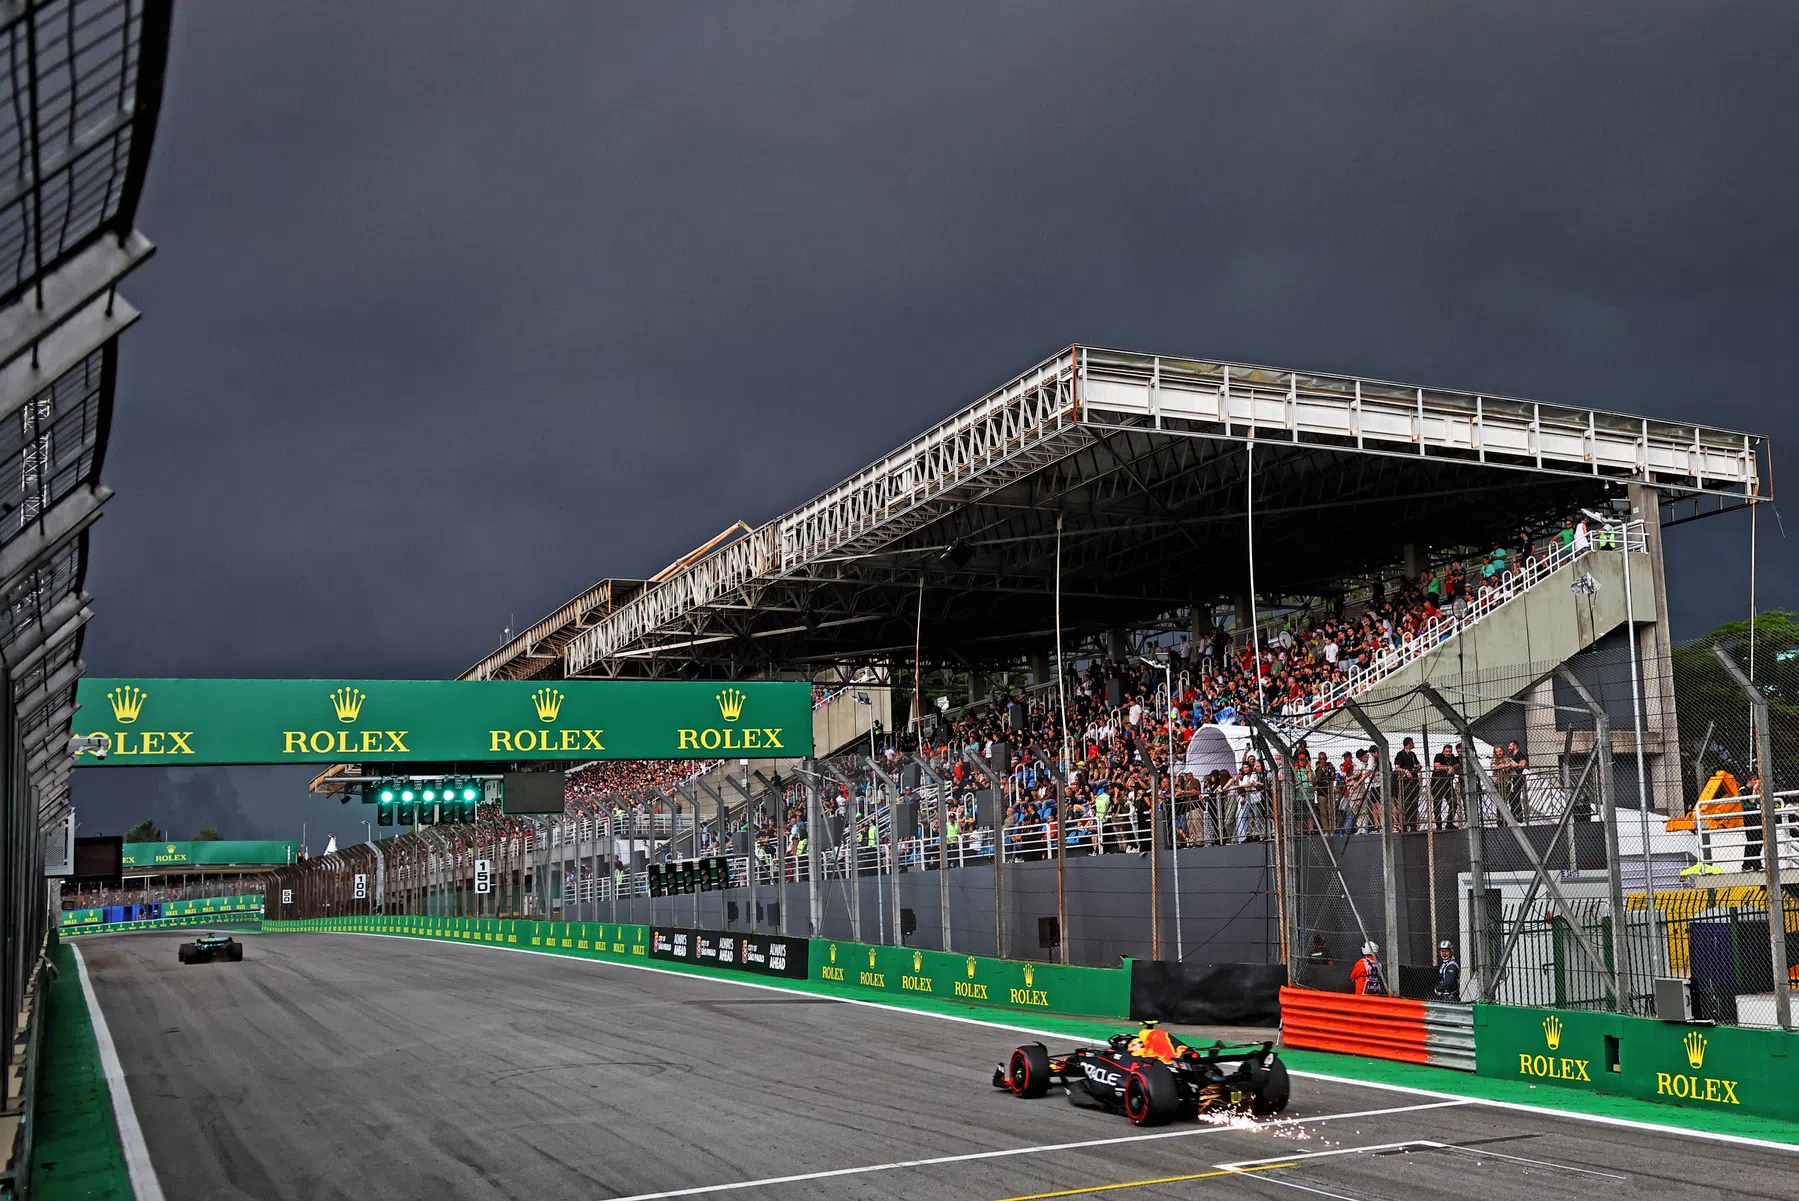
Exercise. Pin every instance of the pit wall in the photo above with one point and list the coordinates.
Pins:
(86, 921)
(854, 969)
(210, 917)
(1726, 1069)
(974, 979)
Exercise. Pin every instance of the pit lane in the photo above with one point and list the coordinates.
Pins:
(340, 1065)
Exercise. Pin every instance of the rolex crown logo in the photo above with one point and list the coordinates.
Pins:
(871, 957)
(548, 702)
(1552, 1031)
(833, 952)
(1029, 972)
(971, 967)
(347, 702)
(127, 703)
(730, 703)
(918, 961)
(1695, 1045)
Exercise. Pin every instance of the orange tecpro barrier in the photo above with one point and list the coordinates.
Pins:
(1714, 809)
(1378, 1027)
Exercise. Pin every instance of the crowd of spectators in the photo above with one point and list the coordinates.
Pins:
(1114, 758)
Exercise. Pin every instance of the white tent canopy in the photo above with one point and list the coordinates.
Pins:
(1222, 747)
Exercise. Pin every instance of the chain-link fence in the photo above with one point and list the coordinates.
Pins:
(1461, 832)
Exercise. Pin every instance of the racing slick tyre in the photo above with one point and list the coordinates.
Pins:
(1151, 1096)
(185, 952)
(1275, 1092)
(1027, 1072)
(236, 955)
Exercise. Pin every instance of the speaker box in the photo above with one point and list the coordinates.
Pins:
(909, 775)
(1018, 717)
(906, 815)
(987, 802)
(1002, 759)
(1114, 693)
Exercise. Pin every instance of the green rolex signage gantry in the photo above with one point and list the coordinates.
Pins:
(196, 723)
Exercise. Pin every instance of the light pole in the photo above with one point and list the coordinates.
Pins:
(1166, 662)
(369, 831)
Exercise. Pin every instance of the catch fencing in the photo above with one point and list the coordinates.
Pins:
(1497, 812)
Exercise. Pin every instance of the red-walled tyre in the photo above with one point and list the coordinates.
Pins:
(1151, 1095)
(1027, 1073)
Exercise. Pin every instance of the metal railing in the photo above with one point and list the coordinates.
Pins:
(1730, 837)
(1493, 596)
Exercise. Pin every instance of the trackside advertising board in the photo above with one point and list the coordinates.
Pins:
(1725, 1068)
(1007, 983)
(763, 954)
(174, 856)
(194, 723)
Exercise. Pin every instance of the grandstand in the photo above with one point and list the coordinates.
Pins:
(1203, 547)
(86, 87)
(1135, 472)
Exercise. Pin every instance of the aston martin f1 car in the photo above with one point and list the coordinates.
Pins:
(1153, 1077)
(209, 947)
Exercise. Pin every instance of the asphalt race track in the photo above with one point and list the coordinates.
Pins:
(335, 1065)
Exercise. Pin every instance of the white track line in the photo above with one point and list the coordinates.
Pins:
(1241, 1164)
(1274, 1177)
(1741, 1140)
(144, 1184)
(1010, 1152)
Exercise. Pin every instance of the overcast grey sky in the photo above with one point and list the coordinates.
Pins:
(458, 308)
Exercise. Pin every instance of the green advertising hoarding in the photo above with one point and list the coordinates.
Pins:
(1724, 1068)
(194, 723)
(177, 855)
(977, 979)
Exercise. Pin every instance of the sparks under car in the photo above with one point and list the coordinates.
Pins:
(209, 947)
(1153, 1077)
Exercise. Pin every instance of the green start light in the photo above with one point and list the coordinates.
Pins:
(469, 794)
(430, 794)
(387, 795)
(406, 795)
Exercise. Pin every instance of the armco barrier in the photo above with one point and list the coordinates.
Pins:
(1725, 1068)
(1378, 1027)
(1013, 984)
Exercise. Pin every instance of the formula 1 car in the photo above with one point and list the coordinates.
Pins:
(1153, 1077)
(209, 947)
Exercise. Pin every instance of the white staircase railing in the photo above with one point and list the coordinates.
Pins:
(1627, 536)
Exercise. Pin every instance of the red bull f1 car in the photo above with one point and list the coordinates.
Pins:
(1152, 1077)
(209, 947)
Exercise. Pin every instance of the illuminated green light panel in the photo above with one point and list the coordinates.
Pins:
(424, 802)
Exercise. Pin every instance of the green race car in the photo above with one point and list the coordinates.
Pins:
(209, 947)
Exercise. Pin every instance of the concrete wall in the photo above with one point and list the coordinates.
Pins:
(1526, 637)
(843, 719)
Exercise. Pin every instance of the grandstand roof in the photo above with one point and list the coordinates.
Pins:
(1143, 464)
(74, 149)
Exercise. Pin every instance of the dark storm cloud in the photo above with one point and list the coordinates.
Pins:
(458, 308)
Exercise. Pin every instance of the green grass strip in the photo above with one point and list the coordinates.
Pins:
(76, 1152)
